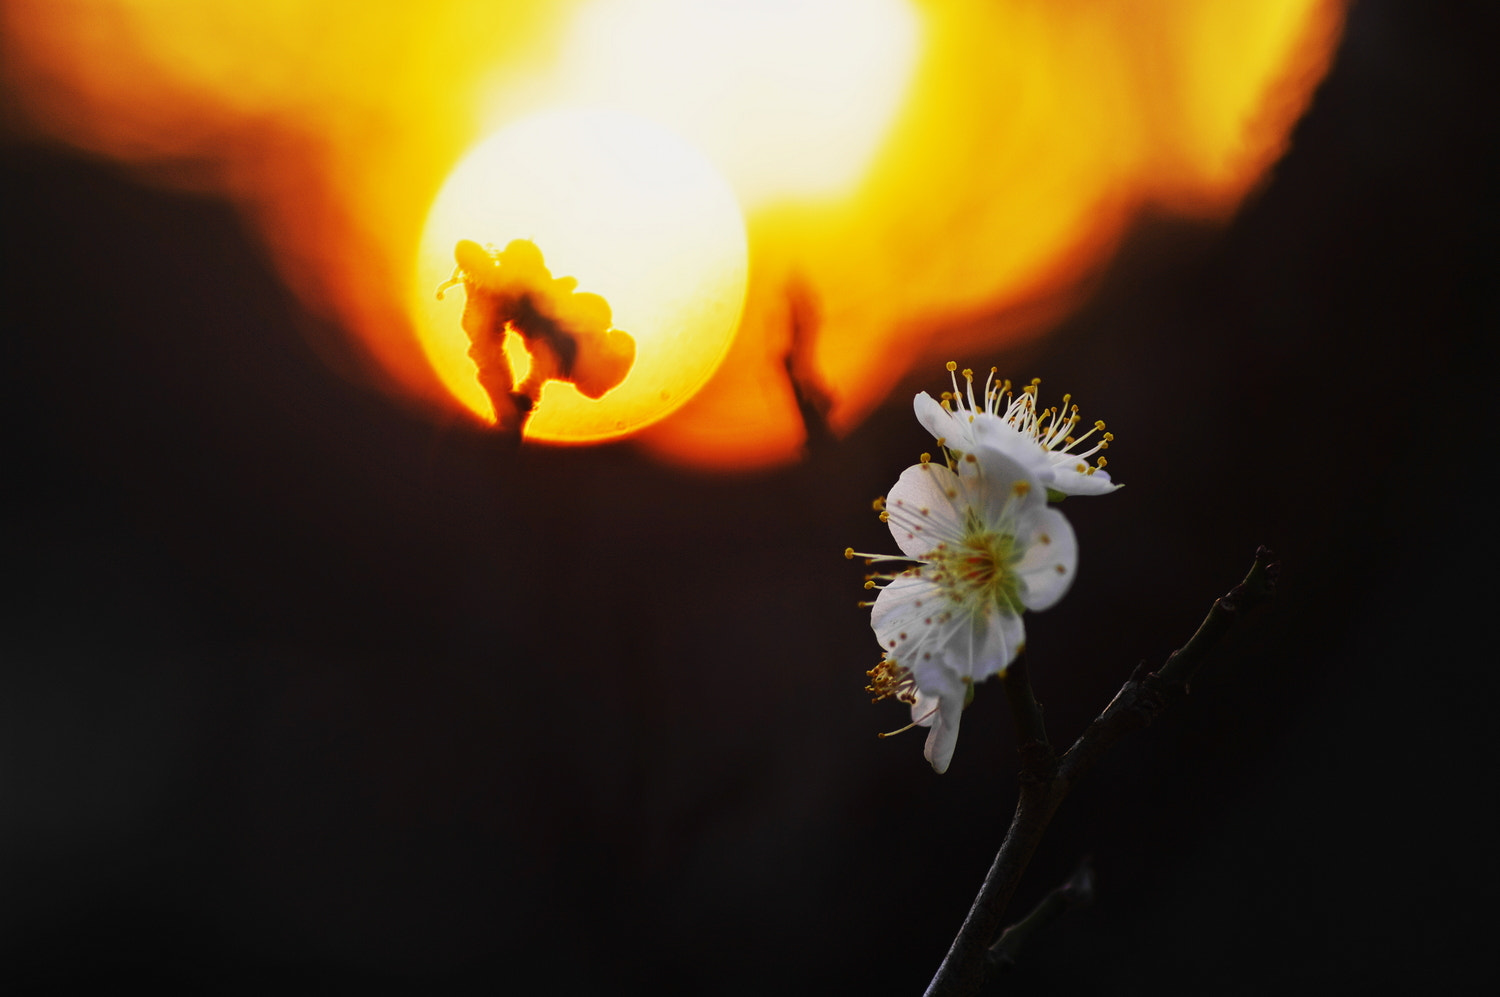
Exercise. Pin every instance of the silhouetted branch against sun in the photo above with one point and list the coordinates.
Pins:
(567, 333)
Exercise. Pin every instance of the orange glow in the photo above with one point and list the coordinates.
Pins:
(938, 178)
(791, 98)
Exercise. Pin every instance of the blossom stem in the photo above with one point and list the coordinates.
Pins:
(1037, 758)
(1143, 697)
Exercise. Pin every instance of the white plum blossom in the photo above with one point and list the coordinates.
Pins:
(982, 546)
(1013, 422)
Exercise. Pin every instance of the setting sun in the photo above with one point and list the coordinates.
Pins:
(636, 217)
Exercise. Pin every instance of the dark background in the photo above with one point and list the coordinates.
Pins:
(300, 691)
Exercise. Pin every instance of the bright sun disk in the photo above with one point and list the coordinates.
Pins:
(631, 211)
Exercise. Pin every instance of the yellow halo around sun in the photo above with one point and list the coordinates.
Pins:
(629, 210)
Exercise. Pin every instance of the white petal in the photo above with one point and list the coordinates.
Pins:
(943, 737)
(994, 640)
(964, 645)
(991, 432)
(996, 474)
(899, 610)
(924, 710)
(941, 423)
(1050, 560)
(923, 508)
(1071, 481)
(934, 669)
(903, 599)
(908, 622)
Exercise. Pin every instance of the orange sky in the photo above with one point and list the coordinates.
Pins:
(914, 169)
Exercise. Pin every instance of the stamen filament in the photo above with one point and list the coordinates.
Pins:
(914, 723)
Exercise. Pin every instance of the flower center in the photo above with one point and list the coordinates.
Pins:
(981, 568)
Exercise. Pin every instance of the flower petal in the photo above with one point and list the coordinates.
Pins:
(910, 623)
(1050, 560)
(924, 709)
(993, 641)
(923, 508)
(993, 478)
(899, 610)
(941, 423)
(1071, 481)
(934, 674)
(943, 737)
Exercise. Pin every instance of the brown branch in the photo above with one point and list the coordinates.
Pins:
(1045, 783)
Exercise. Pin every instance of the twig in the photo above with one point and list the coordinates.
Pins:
(1076, 893)
(1045, 782)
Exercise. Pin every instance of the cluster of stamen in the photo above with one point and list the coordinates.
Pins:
(1052, 428)
(888, 680)
(980, 570)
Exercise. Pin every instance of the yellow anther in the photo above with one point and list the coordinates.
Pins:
(849, 553)
(869, 585)
(952, 366)
(1099, 424)
(1109, 437)
(927, 458)
(1021, 488)
(878, 504)
(1102, 462)
(968, 374)
(970, 458)
(885, 517)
